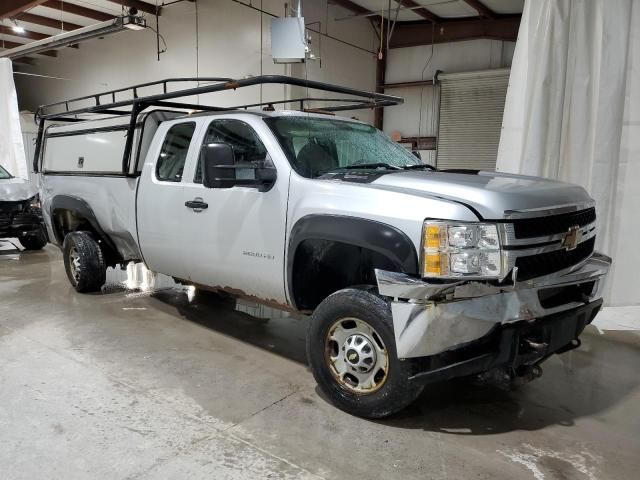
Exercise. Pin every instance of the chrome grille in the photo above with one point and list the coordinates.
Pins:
(532, 266)
(536, 241)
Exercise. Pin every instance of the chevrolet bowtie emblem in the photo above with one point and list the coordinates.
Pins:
(572, 238)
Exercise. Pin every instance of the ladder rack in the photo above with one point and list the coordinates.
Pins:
(134, 102)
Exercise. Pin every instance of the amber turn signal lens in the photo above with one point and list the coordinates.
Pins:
(433, 236)
(432, 264)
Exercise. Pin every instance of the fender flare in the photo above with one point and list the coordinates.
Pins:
(379, 237)
(82, 209)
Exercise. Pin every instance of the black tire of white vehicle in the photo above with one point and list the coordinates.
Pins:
(84, 262)
(367, 318)
(34, 241)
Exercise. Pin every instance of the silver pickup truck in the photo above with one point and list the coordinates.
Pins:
(409, 274)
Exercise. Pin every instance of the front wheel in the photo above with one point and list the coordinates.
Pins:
(351, 351)
(84, 262)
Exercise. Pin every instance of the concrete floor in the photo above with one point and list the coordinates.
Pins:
(161, 384)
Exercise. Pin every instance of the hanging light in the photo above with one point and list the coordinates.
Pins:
(17, 28)
(118, 24)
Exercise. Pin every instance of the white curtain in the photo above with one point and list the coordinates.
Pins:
(573, 113)
(12, 155)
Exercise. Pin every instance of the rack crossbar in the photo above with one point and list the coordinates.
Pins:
(216, 84)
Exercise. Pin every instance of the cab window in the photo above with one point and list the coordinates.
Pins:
(244, 141)
(173, 153)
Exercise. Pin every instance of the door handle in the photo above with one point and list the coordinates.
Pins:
(197, 204)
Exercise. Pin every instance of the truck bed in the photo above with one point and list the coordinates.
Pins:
(112, 199)
(92, 153)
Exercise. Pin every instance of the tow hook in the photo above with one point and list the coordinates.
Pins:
(507, 378)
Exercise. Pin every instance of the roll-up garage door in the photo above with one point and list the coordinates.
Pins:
(471, 108)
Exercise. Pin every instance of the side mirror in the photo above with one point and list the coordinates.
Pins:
(218, 165)
(220, 170)
(417, 154)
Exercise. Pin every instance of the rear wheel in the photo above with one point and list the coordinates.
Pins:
(34, 241)
(351, 351)
(84, 262)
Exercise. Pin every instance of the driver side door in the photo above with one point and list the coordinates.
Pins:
(237, 240)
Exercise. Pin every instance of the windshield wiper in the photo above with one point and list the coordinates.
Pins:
(420, 166)
(368, 165)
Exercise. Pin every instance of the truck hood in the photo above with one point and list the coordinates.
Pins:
(489, 193)
(16, 189)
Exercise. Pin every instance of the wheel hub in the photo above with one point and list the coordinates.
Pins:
(356, 355)
(74, 263)
(360, 354)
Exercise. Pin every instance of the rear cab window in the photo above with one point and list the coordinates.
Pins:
(173, 154)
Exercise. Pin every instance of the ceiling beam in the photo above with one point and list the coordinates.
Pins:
(411, 34)
(481, 8)
(10, 8)
(46, 22)
(141, 6)
(7, 44)
(26, 34)
(77, 10)
(352, 6)
(423, 12)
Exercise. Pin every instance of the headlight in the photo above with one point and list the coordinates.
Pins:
(453, 249)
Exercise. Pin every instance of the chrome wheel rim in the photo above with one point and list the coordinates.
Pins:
(74, 264)
(356, 356)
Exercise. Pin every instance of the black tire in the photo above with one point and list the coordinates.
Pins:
(396, 391)
(34, 241)
(90, 272)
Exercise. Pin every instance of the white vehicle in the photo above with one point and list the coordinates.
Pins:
(409, 274)
(20, 215)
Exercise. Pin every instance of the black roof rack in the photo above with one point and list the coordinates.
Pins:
(107, 102)
(116, 102)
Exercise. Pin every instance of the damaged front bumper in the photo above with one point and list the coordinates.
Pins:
(432, 319)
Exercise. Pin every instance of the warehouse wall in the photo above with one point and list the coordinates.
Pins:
(223, 39)
(418, 115)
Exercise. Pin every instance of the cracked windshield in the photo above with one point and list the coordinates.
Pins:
(317, 146)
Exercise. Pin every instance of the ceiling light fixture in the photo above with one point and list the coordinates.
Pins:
(131, 22)
(17, 28)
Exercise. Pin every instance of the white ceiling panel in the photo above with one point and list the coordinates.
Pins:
(378, 6)
(60, 16)
(100, 5)
(441, 8)
(450, 8)
(505, 6)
